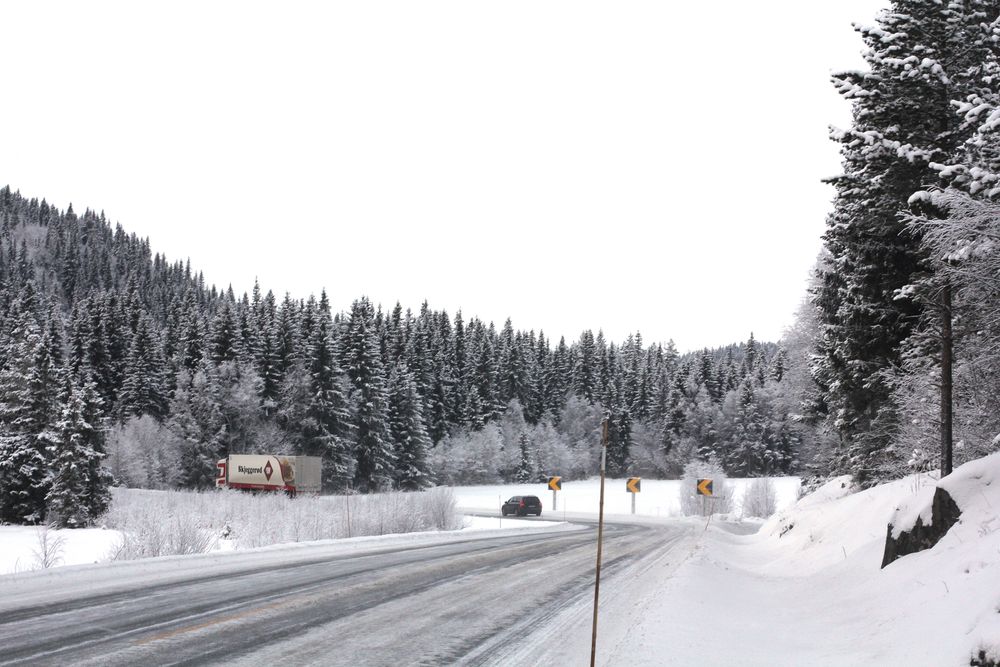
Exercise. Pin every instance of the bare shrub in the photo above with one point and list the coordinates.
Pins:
(440, 508)
(760, 499)
(49, 548)
(157, 524)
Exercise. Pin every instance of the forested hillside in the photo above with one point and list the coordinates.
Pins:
(118, 366)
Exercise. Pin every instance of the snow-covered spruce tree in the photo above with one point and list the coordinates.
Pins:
(619, 444)
(458, 388)
(525, 468)
(373, 451)
(78, 491)
(408, 432)
(417, 353)
(225, 343)
(440, 407)
(746, 454)
(920, 60)
(976, 167)
(473, 409)
(762, 440)
(557, 380)
(269, 366)
(144, 388)
(191, 337)
(28, 390)
(485, 381)
(510, 366)
(197, 429)
(671, 418)
(326, 428)
(99, 480)
(287, 336)
(585, 371)
(701, 420)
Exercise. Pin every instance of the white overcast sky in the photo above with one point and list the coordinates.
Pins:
(649, 166)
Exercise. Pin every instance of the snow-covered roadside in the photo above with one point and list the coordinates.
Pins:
(25, 548)
(21, 546)
(65, 583)
(808, 588)
(207, 513)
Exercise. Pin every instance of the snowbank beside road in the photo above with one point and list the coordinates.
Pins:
(808, 588)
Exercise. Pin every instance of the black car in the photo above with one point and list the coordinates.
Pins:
(522, 506)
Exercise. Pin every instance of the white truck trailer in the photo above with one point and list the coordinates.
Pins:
(264, 472)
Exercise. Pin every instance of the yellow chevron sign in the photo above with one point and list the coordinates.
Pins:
(705, 487)
(632, 485)
(555, 483)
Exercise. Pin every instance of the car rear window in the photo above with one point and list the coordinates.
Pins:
(532, 500)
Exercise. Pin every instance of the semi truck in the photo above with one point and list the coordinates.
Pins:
(265, 472)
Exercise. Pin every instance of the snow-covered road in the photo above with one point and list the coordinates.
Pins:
(486, 599)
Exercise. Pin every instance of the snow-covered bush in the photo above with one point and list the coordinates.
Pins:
(160, 523)
(694, 504)
(157, 524)
(760, 498)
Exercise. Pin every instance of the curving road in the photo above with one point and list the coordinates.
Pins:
(474, 600)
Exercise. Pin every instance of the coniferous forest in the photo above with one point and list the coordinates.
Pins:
(119, 366)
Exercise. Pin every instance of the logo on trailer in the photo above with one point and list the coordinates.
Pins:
(268, 470)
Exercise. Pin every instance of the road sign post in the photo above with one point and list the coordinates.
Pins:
(600, 539)
(555, 483)
(632, 486)
(704, 489)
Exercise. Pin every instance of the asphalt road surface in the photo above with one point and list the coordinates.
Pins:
(468, 601)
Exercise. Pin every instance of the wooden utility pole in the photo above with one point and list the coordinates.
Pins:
(600, 539)
(946, 390)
